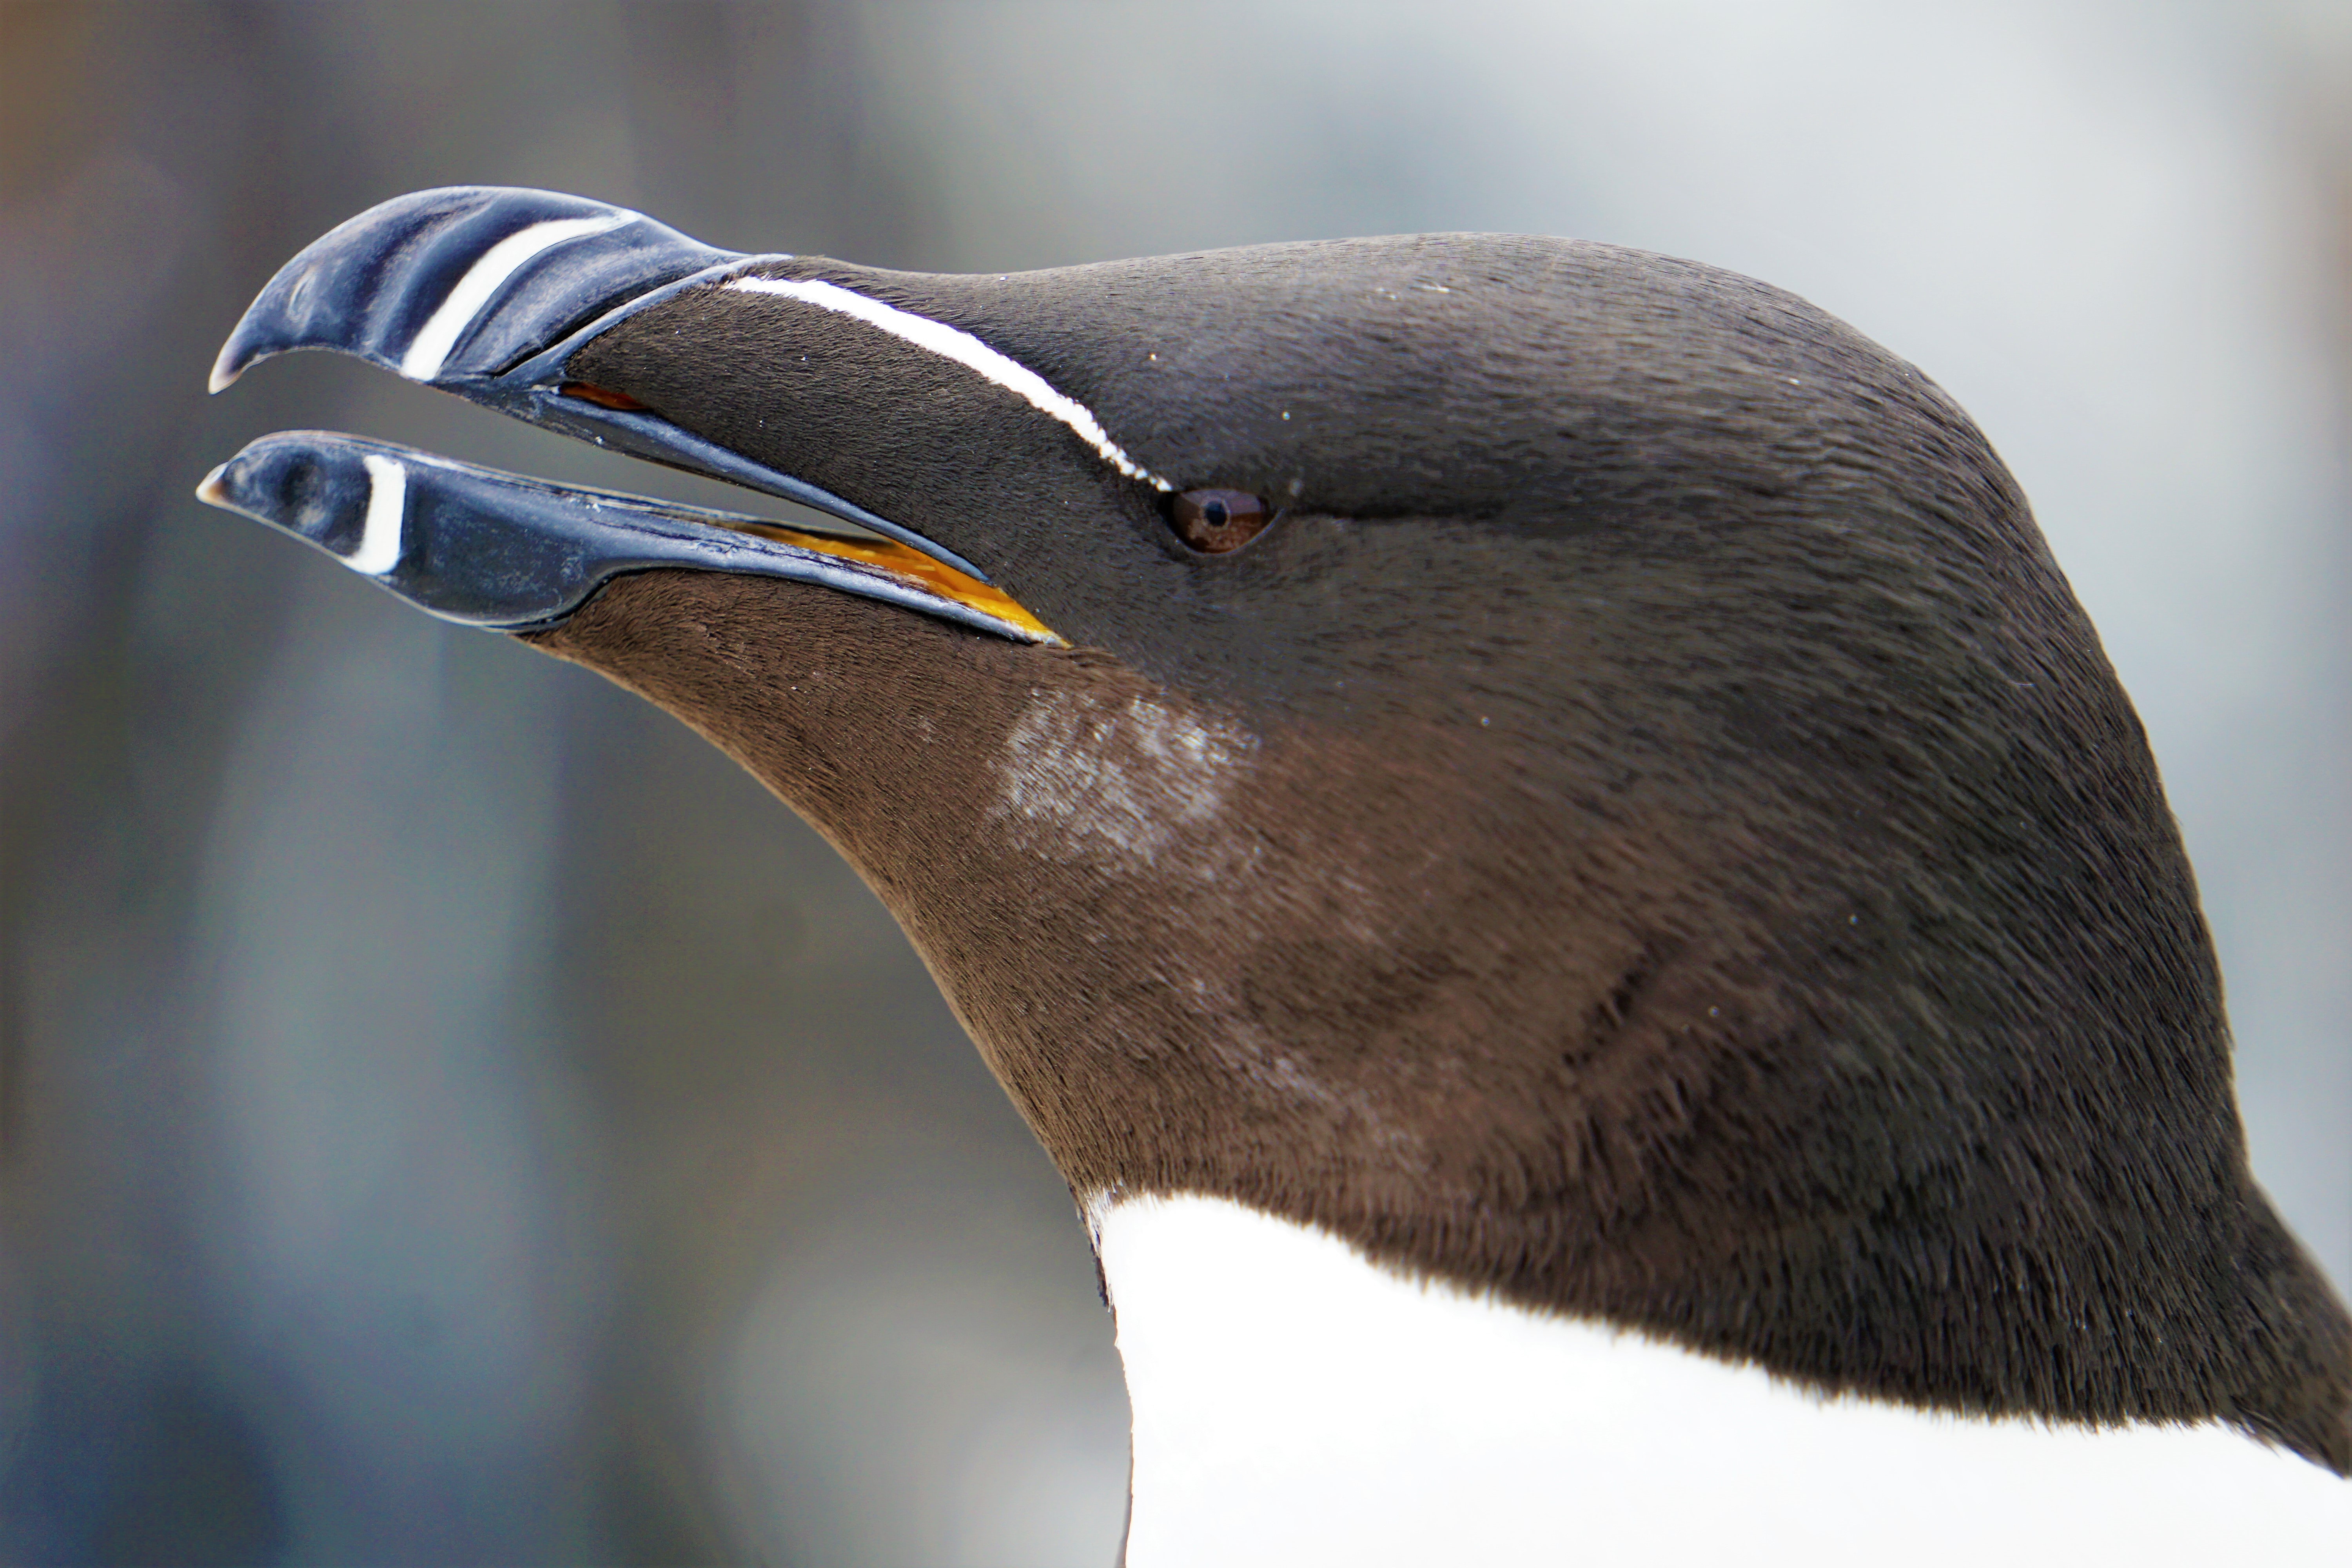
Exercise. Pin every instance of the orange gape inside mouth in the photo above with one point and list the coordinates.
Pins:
(889, 555)
(602, 398)
(893, 557)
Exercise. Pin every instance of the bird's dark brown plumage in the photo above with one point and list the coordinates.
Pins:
(1684, 1053)
(1644, 829)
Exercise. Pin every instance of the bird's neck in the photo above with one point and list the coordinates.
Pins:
(1294, 1402)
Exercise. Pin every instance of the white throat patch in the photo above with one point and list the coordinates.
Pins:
(955, 343)
(1294, 1402)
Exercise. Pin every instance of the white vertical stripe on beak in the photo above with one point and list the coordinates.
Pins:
(388, 512)
(501, 261)
(955, 343)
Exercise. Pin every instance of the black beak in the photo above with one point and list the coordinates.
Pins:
(511, 554)
(462, 288)
(487, 292)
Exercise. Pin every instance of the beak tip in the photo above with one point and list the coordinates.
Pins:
(229, 364)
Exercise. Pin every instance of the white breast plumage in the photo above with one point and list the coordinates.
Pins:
(1295, 1404)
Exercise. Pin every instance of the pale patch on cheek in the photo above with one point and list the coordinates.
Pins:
(1119, 780)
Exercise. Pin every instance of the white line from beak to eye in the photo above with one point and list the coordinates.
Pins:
(501, 261)
(955, 343)
(387, 512)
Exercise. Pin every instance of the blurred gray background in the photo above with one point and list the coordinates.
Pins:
(448, 1116)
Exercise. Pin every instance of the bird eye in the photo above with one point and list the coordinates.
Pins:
(1214, 521)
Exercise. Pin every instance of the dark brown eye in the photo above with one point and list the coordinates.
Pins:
(1214, 521)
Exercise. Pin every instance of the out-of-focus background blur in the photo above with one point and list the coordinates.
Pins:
(447, 1115)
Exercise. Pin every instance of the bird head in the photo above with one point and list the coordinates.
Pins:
(1572, 769)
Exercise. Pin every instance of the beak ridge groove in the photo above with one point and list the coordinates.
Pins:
(459, 284)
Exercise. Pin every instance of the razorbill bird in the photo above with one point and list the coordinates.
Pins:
(1532, 827)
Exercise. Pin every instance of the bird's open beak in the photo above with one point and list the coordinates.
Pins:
(487, 293)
